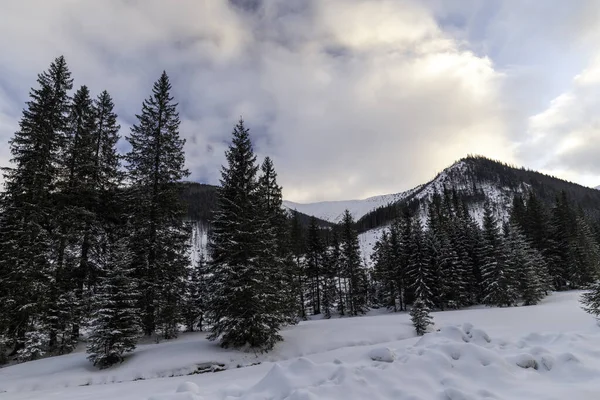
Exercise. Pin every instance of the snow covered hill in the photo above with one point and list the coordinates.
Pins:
(548, 351)
(475, 180)
(332, 211)
(458, 177)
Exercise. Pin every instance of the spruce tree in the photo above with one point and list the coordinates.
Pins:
(356, 300)
(384, 271)
(115, 324)
(523, 268)
(331, 274)
(420, 273)
(27, 234)
(75, 215)
(277, 221)
(195, 296)
(497, 280)
(563, 232)
(160, 238)
(587, 254)
(590, 300)
(241, 305)
(275, 257)
(297, 245)
(420, 316)
(314, 264)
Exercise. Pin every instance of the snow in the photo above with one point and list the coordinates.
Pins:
(333, 211)
(384, 354)
(548, 351)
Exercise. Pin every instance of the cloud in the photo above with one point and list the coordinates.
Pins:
(565, 138)
(350, 97)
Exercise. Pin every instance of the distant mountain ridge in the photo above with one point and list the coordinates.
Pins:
(333, 211)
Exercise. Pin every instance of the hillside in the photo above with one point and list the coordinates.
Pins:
(333, 211)
(477, 180)
(200, 200)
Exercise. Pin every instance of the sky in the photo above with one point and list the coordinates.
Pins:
(350, 98)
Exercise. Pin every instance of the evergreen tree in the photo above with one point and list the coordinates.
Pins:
(497, 280)
(297, 246)
(563, 232)
(384, 271)
(590, 300)
(314, 264)
(400, 239)
(28, 212)
(242, 306)
(159, 243)
(420, 317)
(115, 324)
(587, 254)
(331, 274)
(524, 268)
(75, 214)
(352, 269)
(276, 256)
(419, 270)
(194, 298)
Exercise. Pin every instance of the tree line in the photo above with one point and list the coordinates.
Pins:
(91, 240)
(443, 259)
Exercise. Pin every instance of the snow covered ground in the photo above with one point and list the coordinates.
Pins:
(549, 351)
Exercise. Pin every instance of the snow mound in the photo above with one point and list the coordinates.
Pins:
(456, 363)
(188, 387)
(384, 354)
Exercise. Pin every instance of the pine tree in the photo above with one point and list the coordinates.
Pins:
(420, 317)
(590, 300)
(275, 257)
(587, 254)
(195, 295)
(160, 240)
(400, 239)
(115, 323)
(297, 245)
(420, 274)
(240, 306)
(497, 289)
(563, 232)
(331, 274)
(314, 264)
(28, 211)
(75, 215)
(356, 301)
(384, 271)
(523, 268)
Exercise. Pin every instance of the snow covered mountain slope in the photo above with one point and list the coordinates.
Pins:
(333, 211)
(547, 351)
(456, 177)
(476, 180)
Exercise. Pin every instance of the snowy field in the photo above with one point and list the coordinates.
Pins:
(549, 351)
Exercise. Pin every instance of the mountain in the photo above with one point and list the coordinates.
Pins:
(333, 211)
(476, 180)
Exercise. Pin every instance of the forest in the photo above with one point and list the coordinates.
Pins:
(95, 245)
